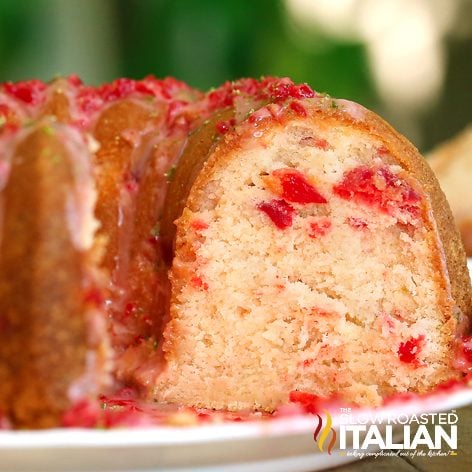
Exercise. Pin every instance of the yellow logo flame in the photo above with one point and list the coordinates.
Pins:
(325, 431)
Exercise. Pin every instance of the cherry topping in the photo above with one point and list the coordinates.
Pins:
(74, 80)
(279, 211)
(267, 89)
(28, 91)
(286, 88)
(296, 188)
(301, 91)
(298, 108)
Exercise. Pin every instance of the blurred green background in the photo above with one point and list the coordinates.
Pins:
(409, 60)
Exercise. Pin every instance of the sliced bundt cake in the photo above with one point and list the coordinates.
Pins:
(311, 249)
(314, 253)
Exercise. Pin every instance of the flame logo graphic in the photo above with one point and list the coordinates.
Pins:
(320, 440)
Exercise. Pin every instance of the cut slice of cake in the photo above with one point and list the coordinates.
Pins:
(314, 253)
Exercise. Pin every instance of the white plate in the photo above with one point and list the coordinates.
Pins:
(285, 444)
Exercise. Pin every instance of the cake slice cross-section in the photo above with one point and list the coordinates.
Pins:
(314, 253)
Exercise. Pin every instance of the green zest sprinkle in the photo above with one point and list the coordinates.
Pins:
(3, 120)
(156, 231)
(103, 406)
(48, 130)
(334, 104)
(249, 113)
(170, 173)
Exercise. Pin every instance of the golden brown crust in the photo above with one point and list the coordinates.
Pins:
(58, 104)
(113, 160)
(44, 336)
(189, 166)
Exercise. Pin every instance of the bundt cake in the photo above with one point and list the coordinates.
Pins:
(230, 250)
(452, 164)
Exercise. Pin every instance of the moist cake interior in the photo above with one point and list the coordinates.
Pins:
(308, 264)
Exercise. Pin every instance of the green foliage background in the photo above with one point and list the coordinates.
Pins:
(206, 42)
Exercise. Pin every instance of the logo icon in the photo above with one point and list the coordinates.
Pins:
(322, 433)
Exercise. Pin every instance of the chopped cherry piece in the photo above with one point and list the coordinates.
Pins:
(321, 312)
(286, 88)
(298, 108)
(197, 282)
(301, 91)
(319, 228)
(74, 80)
(356, 223)
(224, 126)
(409, 350)
(120, 88)
(29, 91)
(199, 225)
(319, 143)
(467, 348)
(380, 187)
(94, 296)
(279, 211)
(296, 188)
